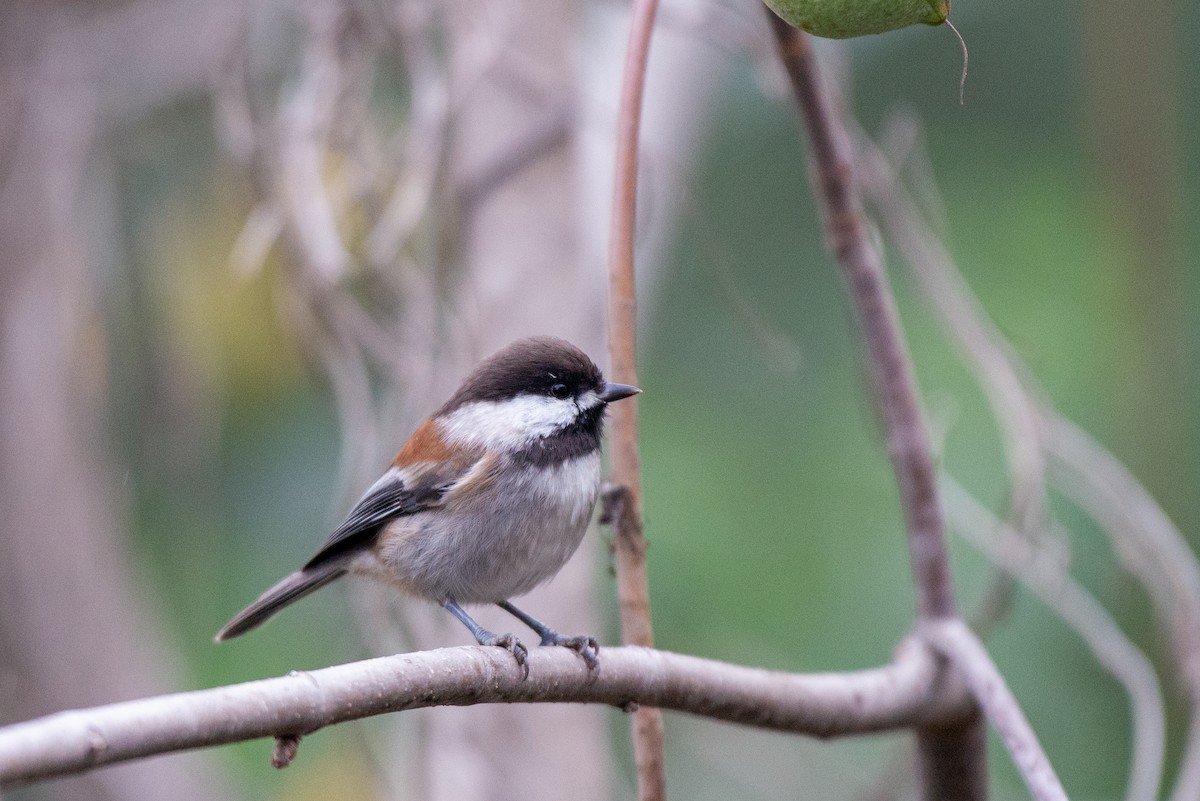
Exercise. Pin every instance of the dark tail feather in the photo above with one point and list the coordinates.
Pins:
(290, 589)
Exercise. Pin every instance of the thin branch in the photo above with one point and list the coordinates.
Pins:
(1151, 548)
(423, 153)
(1047, 579)
(912, 690)
(1145, 540)
(626, 463)
(891, 365)
(633, 586)
(964, 650)
(985, 352)
(305, 121)
(953, 761)
(543, 137)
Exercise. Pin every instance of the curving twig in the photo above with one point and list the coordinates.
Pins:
(985, 352)
(952, 761)
(891, 365)
(1049, 581)
(1044, 442)
(306, 119)
(1152, 549)
(629, 544)
(964, 650)
(423, 153)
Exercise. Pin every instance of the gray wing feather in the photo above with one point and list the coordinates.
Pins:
(389, 498)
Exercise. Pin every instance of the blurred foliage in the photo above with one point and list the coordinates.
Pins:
(776, 536)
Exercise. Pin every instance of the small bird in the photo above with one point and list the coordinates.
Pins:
(488, 499)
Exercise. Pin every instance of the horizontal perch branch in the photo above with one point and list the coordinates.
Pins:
(912, 690)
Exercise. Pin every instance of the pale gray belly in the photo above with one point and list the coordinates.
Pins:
(501, 544)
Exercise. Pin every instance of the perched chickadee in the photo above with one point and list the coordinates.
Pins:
(488, 498)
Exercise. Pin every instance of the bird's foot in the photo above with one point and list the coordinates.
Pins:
(510, 643)
(583, 644)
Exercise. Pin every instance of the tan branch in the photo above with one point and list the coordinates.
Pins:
(912, 690)
(633, 585)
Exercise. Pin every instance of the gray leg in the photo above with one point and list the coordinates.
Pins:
(584, 645)
(485, 637)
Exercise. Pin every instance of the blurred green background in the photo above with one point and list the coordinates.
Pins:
(1070, 184)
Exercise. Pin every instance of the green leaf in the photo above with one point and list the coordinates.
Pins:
(843, 19)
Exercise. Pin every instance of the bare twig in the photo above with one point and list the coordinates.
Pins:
(891, 365)
(543, 137)
(1151, 548)
(306, 120)
(1144, 538)
(953, 761)
(986, 354)
(964, 650)
(633, 588)
(912, 690)
(423, 154)
(1049, 581)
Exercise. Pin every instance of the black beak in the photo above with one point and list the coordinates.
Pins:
(615, 392)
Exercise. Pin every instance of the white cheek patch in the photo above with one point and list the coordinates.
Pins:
(508, 424)
(589, 400)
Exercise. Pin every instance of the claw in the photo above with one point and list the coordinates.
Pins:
(589, 650)
(582, 644)
(510, 643)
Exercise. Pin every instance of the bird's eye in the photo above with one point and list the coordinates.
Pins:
(560, 391)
